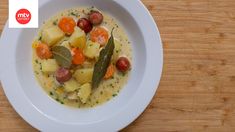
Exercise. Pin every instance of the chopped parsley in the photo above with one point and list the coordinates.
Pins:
(114, 95)
(51, 93)
(40, 38)
(55, 22)
(74, 14)
(36, 72)
(123, 74)
(111, 85)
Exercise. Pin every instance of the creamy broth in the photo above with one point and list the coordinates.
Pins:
(108, 88)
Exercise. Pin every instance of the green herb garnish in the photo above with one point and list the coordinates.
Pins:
(103, 62)
(62, 55)
(40, 64)
(55, 23)
(40, 38)
(111, 85)
(73, 14)
(114, 95)
(36, 72)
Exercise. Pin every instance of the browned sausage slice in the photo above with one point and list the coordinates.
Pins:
(63, 75)
(85, 25)
(123, 64)
(96, 17)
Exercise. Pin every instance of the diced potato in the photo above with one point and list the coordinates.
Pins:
(52, 35)
(88, 64)
(71, 85)
(59, 90)
(84, 75)
(92, 50)
(78, 38)
(66, 44)
(72, 95)
(49, 66)
(84, 92)
(116, 51)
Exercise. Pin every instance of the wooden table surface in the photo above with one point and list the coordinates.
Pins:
(197, 89)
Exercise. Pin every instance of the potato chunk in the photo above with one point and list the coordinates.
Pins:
(84, 92)
(52, 35)
(84, 75)
(92, 50)
(78, 38)
(72, 96)
(49, 66)
(71, 85)
(66, 44)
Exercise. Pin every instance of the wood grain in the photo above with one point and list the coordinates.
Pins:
(197, 89)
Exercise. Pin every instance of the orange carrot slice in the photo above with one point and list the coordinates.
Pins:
(110, 72)
(43, 51)
(78, 56)
(99, 35)
(67, 24)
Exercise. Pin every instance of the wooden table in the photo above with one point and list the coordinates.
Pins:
(197, 89)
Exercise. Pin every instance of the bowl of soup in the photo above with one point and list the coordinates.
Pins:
(91, 65)
(67, 57)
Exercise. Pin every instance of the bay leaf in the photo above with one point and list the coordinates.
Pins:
(103, 62)
(62, 55)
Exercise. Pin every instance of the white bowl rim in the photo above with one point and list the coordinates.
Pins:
(131, 112)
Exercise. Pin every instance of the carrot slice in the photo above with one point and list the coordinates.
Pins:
(67, 24)
(110, 72)
(78, 56)
(43, 51)
(99, 35)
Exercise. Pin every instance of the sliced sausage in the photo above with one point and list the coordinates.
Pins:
(123, 64)
(85, 25)
(96, 17)
(63, 75)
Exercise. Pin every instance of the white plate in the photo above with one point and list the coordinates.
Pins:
(43, 113)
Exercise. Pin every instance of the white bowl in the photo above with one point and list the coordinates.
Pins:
(42, 112)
